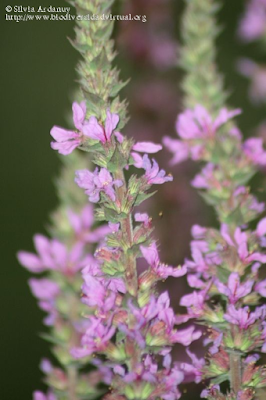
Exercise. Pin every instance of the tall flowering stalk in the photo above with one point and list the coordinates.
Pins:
(224, 271)
(121, 326)
(73, 231)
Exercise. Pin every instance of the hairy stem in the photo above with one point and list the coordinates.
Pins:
(235, 372)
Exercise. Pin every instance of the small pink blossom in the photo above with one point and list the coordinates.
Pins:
(194, 369)
(260, 288)
(96, 131)
(253, 23)
(241, 317)
(234, 290)
(53, 255)
(44, 289)
(41, 396)
(162, 270)
(253, 148)
(95, 339)
(153, 174)
(194, 302)
(146, 147)
(194, 127)
(65, 140)
(143, 217)
(82, 225)
(97, 182)
(186, 336)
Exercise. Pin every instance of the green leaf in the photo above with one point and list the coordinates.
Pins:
(93, 101)
(142, 197)
(117, 161)
(52, 339)
(221, 378)
(116, 88)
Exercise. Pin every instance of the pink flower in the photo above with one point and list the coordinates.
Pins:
(146, 147)
(213, 392)
(66, 141)
(216, 344)
(195, 127)
(234, 289)
(153, 174)
(143, 217)
(95, 339)
(53, 255)
(254, 150)
(186, 336)
(257, 75)
(253, 24)
(241, 243)
(194, 369)
(162, 270)
(241, 317)
(97, 182)
(178, 148)
(82, 224)
(205, 178)
(44, 289)
(261, 228)
(260, 287)
(41, 396)
(194, 302)
(96, 131)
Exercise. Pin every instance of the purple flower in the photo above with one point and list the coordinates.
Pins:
(186, 336)
(194, 369)
(146, 147)
(213, 391)
(44, 289)
(252, 26)
(41, 396)
(153, 174)
(234, 289)
(257, 75)
(143, 217)
(194, 302)
(253, 148)
(216, 344)
(261, 228)
(178, 148)
(205, 179)
(194, 126)
(82, 224)
(241, 243)
(241, 317)
(53, 255)
(195, 282)
(96, 131)
(198, 124)
(260, 287)
(162, 270)
(96, 182)
(95, 339)
(66, 141)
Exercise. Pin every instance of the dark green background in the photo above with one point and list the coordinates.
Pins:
(37, 80)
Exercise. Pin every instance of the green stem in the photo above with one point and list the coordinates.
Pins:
(235, 372)
(127, 231)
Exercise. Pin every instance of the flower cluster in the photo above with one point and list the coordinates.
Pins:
(256, 73)
(253, 24)
(58, 294)
(126, 321)
(230, 162)
(224, 271)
